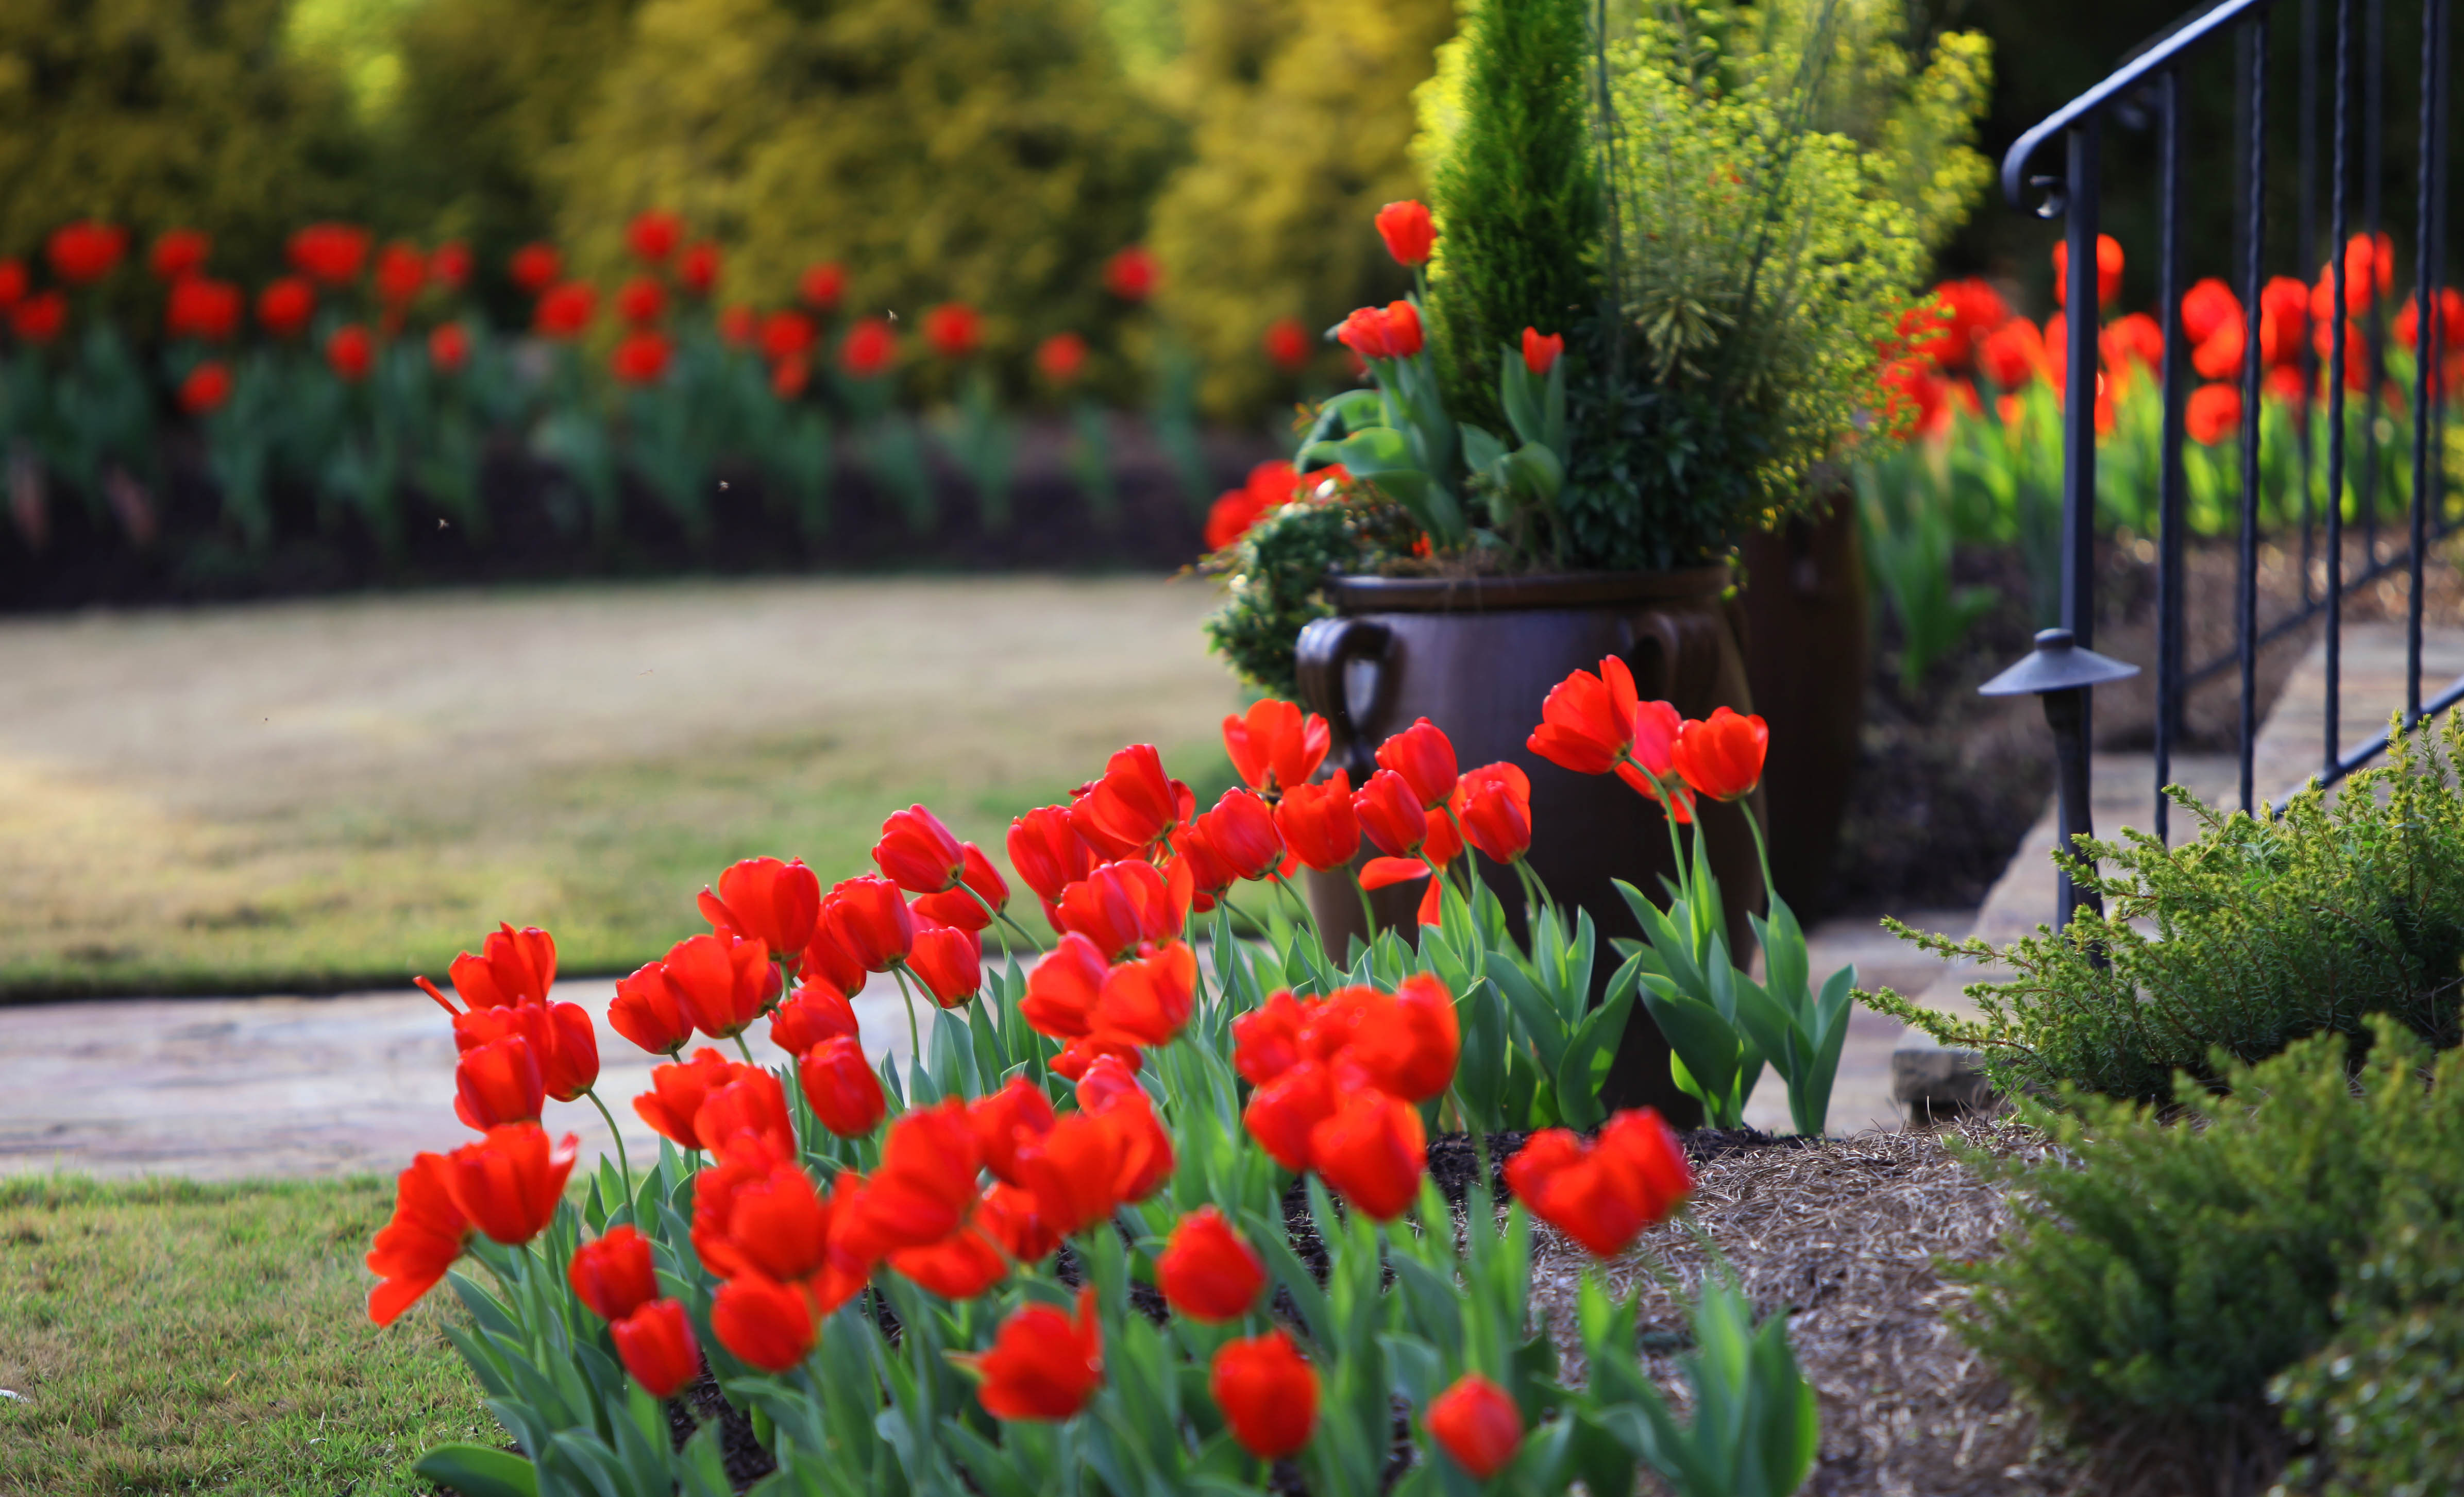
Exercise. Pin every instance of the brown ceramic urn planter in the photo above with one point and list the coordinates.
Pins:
(1476, 656)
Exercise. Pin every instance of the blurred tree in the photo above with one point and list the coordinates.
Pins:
(1304, 121)
(163, 113)
(986, 151)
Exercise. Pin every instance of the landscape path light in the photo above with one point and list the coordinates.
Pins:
(2062, 671)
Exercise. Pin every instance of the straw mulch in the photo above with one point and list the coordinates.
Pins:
(1845, 1235)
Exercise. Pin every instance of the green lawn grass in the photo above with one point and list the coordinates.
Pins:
(168, 1336)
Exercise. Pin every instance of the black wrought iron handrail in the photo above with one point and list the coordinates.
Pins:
(2075, 193)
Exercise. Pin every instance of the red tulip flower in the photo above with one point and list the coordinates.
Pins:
(1019, 1111)
(1081, 1056)
(2108, 271)
(332, 254)
(1602, 1195)
(820, 286)
(697, 270)
(1207, 1270)
(2214, 414)
(1722, 757)
(721, 985)
(205, 388)
(1062, 989)
(284, 307)
(1425, 758)
(1274, 747)
(180, 254)
(449, 348)
(12, 283)
(758, 1216)
(450, 267)
(534, 267)
(1372, 1152)
(818, 1012)
(954, 330)
(1390, 814)
(1047, 852)
(1388, 332)
(401, 273)
(498, 1083)
(654, 235)
(739, 326)
(1283, 1114)
(561, 1038)
(656, 1345)
(351, 352)
(1133, 806)
(1287, 344)
(613, 1275)
(1132, 273)
(639, 302)
(646, 1012)
(1076, 1171)
(869, 349)
(202, 308)
(677, 1094)
(1149, 1000)
(85, 251)
(1043, 1365)
(763, 1324)
(1410, 1051)
(1267, 1392)
(1242, 830)
(413, 1250)
(565, 311)
(750, 1111)
(1209, 873)
(1410, 233)
(867, 918)
(842, 1087)
(763, 899)
(1318, 823)
(948, 961)
(1120, 905)
(40, 317)
(641, 357)
(959, 1266)
(511, 967)
(1007, 1215)
(1061, 359)
(970, 904)
(918, 854)
(1475, 1422)
(1540, 354)
(1495, 805)
(509, 1183)
(825, 960)
(926, 1186)
(1586, 722)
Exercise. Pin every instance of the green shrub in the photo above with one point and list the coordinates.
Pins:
(1277, 581)
(2161, 1273)
(2261, 931)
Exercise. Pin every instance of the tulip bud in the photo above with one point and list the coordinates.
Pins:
(1475, 1422)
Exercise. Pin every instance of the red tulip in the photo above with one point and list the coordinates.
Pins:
(351, 352)
(657, 1347)
(1120, 905)
(449, 348)
(867, 918)
(1242, 830)
(926, 1185)
(1082, 1054)
(1061, 359)
(948, 961)
(450, 267)
(750, 1110)
(1043, 1365)
(1131, 807)
(1016, 1113)
(85, 251)
(613, 1274)
(825, 960)
(653, 235)
(1409, 231)
(1062, 989)
(640, 301)
(1076, 1170)
(1475, 1422)
(513, 967)
(1372, 1150)
(1007, 1215)
(1287, 344)
(1047, 852)
(1388, 332)
(1267, 1392)
(401, 273)
(697, 271)
(200, 307)
(2108, 271)
(1602, 1195)
(425, 1236)
(1267, 1040)
(1496, 810)
(284, 307)
(763, 1324)
(818, 1012)
(2214, 414)
(1109, 1091)
(208, 385)
(536, 267)
(1208, 1271)
(1390, 814)
(646, 1012)
(1149, 1000)
(1132, 273)
(676, 1093)
(1209, 873)
(12, 283)
(1318, 823)
(180, 254)
(841, 1086)
(980, 893)
(765, 900)
(954, 329)
(721, 985)
(1283, 1114)
(869, 349)
(756, 1216)
(739, 326)
(497, 1084)
(821, 285)
(330, 253)
(1722, 757)
(566, 310)
(1425, 758)
(562, 1042)
(918, 854)
(1540, 354)
(509, 1183)
(1586, 722)
(1273, 746)
(959, 1266)
(641, 357)
(1411, 1051)
(40, 316)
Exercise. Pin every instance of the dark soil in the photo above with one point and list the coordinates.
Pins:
(539, 531)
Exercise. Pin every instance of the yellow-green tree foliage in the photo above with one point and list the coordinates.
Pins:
(1304, 122)
(165, 113)
(987, 151)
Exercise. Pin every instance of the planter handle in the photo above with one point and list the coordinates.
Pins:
(1326, 648)
(1654, 655)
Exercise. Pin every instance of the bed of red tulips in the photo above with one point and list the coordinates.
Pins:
(1146, 1212)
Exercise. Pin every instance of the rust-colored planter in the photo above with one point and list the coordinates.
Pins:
(1477, 657)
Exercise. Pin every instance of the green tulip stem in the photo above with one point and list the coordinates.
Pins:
(621, 1162)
